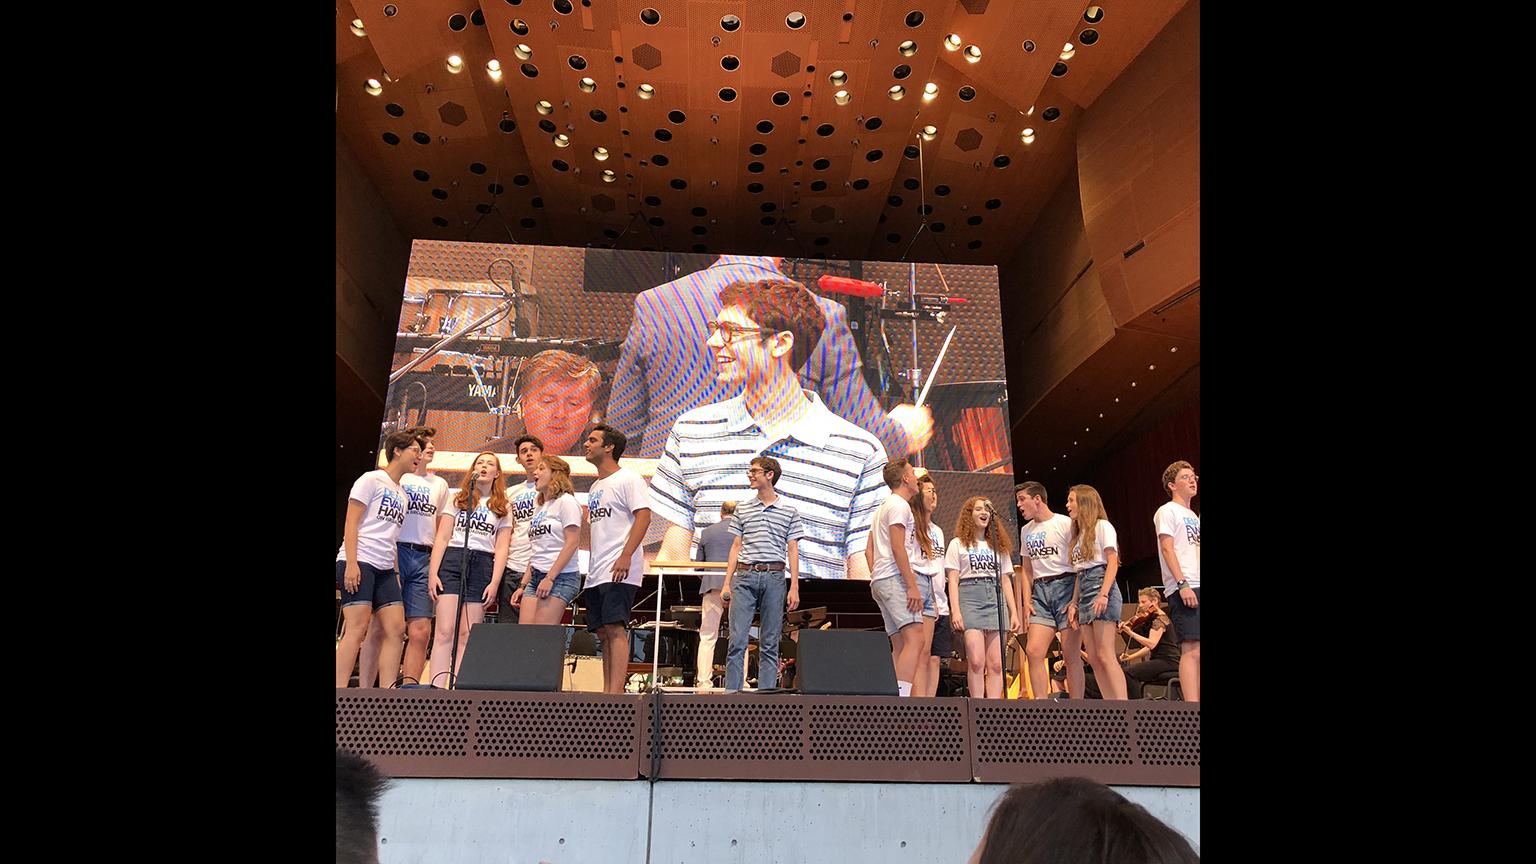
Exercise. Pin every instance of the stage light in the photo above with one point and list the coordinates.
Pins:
(930, 132)
(494, 69)
(562, 140)
(600, 153)
(647, 91)
(1027, 136)
(455, 64)
(972, 53)
(952, 41)
(609, 176)
(1151, 367)
(1067, 51)
(357, 27)
(373, 87)
(543, 107)
(907, 48)
(522, 51)
(587, 85)
(1173, 350)
(896, 92)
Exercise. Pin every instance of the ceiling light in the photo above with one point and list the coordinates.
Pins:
(543, 107)
(907, 48)
(838, 78)
(522, 51)
(930, 90)
(357, 27)
(929, 132)
(373, 87)
(600, 153)
(1101, 415)
(562, 140)
(952, 41)
(1027, 136)
(1151, 367)
(647, 91)
(1030, 112)
(587, 85)
(1173, 350)
(841, 97)
(609, 176)
(1067, 51)
(972, 53)
(455, 64)
(896, 92)
(1133, 383)
(1117, 398)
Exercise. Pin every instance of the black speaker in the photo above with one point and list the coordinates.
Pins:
(845, 662)
(513, 657)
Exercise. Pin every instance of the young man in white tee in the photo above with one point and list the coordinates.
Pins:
(365, 564)
(424, 493)
(1048, 589)
(906, 602)
(618, 513)
(520, 499)
(1178, 556)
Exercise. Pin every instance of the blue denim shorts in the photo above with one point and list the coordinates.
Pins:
(1092, 581)
(379, 587)
(1051, 601)
(891, 596)
(414, 565)
(567, 585)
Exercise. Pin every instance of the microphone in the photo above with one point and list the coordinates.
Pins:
(849, 287)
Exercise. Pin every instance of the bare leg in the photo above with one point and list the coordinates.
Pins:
(1036, 646)
(994, 664)
(920, 658)
(528, 610)
(391, 621)
(1189, 670)
(1106, 666)
(368, 658)
(418, 632)
(357, 618)
(615, 658)
(975, 663)
(442, 640)
(907, 647)
(933, 676)
(1072, 652)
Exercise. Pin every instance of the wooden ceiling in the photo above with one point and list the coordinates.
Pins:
(741, 145)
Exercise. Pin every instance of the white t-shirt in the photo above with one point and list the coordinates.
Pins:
(424, 503)
(546, 533)
(1047, 544)
(520, 512)
(1103, 539)
(483, 525)
(892, 511)
(1183, 525)
(933, 569)
(974, 562)
(611, 506)
(383, 513)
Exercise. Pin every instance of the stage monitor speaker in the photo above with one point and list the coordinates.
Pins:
(845, 663)
(513, 657)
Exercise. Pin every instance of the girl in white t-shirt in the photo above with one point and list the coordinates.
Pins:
(1098, 601)
(931, 567)
(977, 566)
(477, 517)
(552, 579)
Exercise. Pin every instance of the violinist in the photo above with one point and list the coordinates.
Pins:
(1156, 644)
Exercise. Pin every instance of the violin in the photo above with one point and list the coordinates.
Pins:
(1139, 619)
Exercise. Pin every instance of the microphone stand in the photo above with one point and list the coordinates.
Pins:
(458, 618)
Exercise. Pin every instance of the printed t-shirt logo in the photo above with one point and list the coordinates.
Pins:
(1035, 545)
(391, 508)
(420, 500)
(595, 510)
(1192, 530)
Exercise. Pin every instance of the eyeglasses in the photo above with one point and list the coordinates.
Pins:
(1194, 477)
(731, 332)
(753, 472)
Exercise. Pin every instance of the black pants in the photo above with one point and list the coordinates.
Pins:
(1137, 676)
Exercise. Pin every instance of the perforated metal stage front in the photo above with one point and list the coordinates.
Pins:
(415, 733)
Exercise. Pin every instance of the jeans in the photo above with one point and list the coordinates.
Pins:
(754, 592)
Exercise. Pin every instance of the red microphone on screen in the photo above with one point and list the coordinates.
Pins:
(850, 287)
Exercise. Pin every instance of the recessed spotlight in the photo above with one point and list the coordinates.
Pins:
(493, 67)
(609, 176)
(1173, 350)
(929, 132)
(838, 78)
(562, 140)
(455, 63)
(1101, 415)
(896, 92)
(907, 48)
(543, 107)
(841, 97)
(1151, 367)
(1133, 383)
(587, 85)
(930, 90)
(1067, 51)
(1030, 112)
(647, 91)
(522, 51)
(1117, 398)
(1085, 428)
(600, 153)
(952, 42)
(373, 87)
(1074, 443)
(972, 53)
(357, 27)
(1027, 136)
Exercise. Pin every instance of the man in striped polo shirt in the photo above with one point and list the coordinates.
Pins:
(831, 468)
(766, 549)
